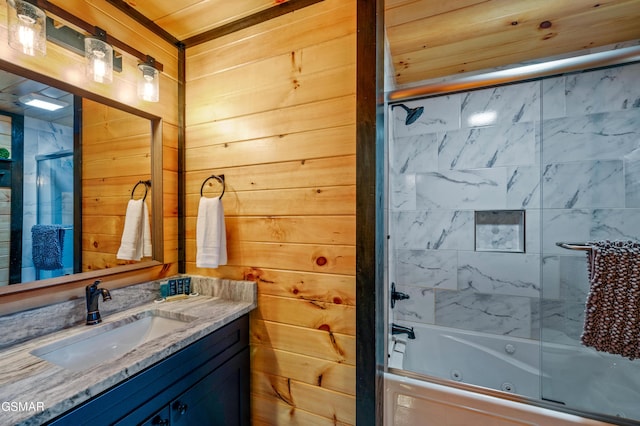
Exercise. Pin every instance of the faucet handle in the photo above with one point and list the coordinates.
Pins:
(93, 287)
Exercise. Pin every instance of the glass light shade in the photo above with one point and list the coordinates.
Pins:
(99, 57)
(27, 28)
(148, 84)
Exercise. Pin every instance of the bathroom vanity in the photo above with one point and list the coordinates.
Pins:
(204, 383)
(188, 365)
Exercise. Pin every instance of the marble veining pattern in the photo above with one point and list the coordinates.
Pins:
(479, 189)
(403, 192)
(523, 187)
(420, 307)
(604, 136)
(553, 98)
(513, 274)
(415, 154)
(485, 147)
(611, 89)
(434, 229)
(564, 225)
(499, 314)
(584, 184)
(632, 178)
(428, 269)
(615, 224)
(511, 104)
(24, 377)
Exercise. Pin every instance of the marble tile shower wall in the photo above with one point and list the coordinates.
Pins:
(40, 137)
(564, 149)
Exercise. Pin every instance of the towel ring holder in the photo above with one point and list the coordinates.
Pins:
(146, 183)
(219, 178)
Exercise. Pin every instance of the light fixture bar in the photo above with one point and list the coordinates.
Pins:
(91, 29)
(74, 41)
(43, 102)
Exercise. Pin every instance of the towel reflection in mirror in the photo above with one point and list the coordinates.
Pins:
(48, 246)
(136, 236)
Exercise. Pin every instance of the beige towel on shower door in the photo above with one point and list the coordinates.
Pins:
(612, 315)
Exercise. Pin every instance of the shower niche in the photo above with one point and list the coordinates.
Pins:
(500, 230)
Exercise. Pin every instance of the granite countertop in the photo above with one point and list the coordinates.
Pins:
(46, 390)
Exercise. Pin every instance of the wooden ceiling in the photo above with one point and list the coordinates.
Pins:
(435, 38)
(188, 18)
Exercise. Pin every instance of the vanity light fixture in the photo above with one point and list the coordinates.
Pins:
(99, 56)
(148, 81)
(97, 47)
(43, 102)
(27, 25)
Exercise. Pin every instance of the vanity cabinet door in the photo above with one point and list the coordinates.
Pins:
(220, 399)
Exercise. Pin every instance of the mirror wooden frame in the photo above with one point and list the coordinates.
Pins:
(40, 292)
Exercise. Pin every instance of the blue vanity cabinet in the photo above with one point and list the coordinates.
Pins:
(206, 383)
(215, 400)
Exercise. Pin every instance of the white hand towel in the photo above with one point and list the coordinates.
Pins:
(136, 235)
(147, 249)
(211, 237)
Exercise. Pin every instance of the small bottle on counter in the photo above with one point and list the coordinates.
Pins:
(164, 289)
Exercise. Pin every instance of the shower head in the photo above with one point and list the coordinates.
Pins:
(412, 113)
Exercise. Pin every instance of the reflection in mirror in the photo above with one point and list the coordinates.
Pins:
(64, 193)
(116, 156)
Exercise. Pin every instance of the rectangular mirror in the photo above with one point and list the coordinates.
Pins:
(66, 179)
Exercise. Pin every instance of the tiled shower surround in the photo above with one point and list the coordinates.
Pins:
(565, 150)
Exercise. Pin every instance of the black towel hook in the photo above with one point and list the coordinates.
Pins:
(146, 183)
(219, 178)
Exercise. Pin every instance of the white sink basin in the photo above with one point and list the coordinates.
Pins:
(109, 341)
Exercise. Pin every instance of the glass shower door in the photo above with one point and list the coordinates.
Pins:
(55, 203)
(590, 155)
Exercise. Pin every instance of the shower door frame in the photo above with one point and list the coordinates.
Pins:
(605, 59)
(15, 168)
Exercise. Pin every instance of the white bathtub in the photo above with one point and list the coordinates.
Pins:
(571, 376)
(411, 402)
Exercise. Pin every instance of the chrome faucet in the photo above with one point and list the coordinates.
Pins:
(92, 292)
(401, 329)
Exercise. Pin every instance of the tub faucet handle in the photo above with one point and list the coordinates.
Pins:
(397, 295)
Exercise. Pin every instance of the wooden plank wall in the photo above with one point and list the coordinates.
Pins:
(272, 107)
(68, 67)
(5, 234)
(116, 154)
(5, 207)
